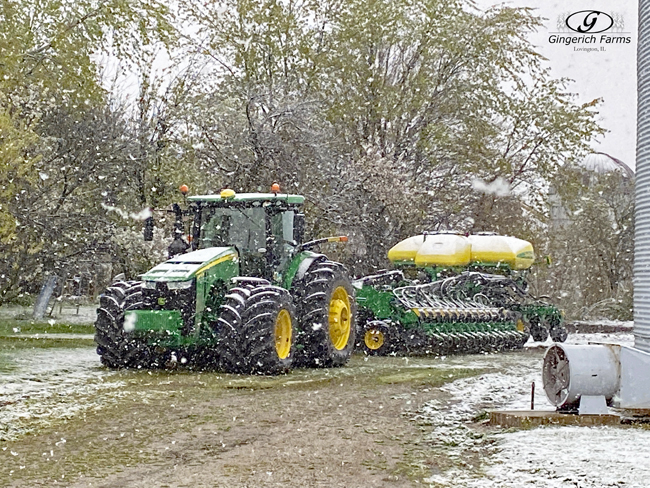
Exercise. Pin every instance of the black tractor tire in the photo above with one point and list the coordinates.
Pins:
(116, 347)
(557, 330)
(269, 321)
(558, 333)
(228, 329)
(256, 330)
(377, 338)
(538, 329)
(327, 316)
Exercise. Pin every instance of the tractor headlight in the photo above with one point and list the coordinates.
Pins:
(150, 285)
(179, 285)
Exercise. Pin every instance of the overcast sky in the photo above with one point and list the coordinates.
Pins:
(608, 74)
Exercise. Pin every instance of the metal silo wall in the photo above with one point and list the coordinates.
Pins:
(642, 217)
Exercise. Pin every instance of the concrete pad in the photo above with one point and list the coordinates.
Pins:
(594, 327)
(524, 419)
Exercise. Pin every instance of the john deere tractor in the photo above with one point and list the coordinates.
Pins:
(249, 296)
(452, 294)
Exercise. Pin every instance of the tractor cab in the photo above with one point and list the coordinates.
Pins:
(265, 228)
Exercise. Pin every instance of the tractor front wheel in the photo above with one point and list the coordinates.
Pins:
(268, 337)
(228, 330)
(255, 330)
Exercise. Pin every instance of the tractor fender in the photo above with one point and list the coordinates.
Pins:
(305, 265)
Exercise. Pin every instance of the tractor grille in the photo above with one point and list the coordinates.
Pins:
(162, 298)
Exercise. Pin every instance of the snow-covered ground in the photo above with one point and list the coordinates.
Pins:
(41, 385)
(67, 313)
(552, 456)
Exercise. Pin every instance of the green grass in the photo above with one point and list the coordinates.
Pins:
(18, 342)
(12, 327)
(21, 334)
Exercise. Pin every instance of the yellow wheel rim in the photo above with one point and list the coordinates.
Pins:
(520, 325)
(339, 318)
(373, 339)
(283, 334)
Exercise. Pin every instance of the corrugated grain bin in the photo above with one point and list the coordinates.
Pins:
(444, 250)
(642, 205)
(506, 250)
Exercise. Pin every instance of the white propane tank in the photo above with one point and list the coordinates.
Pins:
(571, 371)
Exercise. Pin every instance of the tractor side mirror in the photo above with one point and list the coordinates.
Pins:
(178, 217)
(148, 229)
(298, 227)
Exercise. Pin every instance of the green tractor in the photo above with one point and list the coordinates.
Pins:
(249, 296)
(440, 300)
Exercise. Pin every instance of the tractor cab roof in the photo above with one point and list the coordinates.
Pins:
(228, 196)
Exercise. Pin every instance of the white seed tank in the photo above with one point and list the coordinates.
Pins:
(449, 249)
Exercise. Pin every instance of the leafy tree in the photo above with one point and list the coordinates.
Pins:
(591, 243)
(56, 126)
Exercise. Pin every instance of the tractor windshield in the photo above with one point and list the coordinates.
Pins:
(240, 227)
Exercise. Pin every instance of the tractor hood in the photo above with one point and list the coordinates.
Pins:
(187, 266)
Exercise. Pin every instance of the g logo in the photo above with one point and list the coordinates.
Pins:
(589, 21)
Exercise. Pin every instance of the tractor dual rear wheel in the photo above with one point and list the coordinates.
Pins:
(327, 312)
